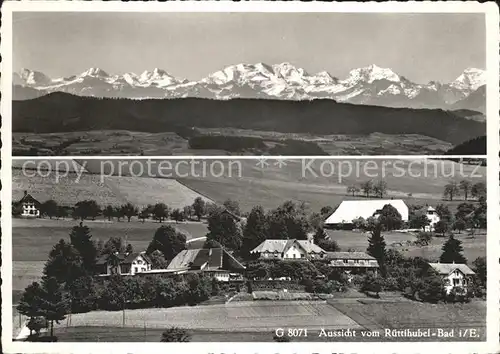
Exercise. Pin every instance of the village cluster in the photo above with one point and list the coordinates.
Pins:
(282, 249)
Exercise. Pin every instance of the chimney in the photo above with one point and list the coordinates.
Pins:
(25, 193)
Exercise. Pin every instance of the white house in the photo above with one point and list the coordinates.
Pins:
(433, 217)
(214, 262)
(123, 264)
(350, 210)
(454, 274)
(289, 249)
(31, 206)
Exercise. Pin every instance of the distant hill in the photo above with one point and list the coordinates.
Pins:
(476, 146)
(476, 101)
(61, 112)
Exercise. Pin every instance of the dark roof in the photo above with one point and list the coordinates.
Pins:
(213, 258)
(348, 255)
(28, 198)
(124, 258)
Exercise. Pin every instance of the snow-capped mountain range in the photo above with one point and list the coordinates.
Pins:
(369, 85)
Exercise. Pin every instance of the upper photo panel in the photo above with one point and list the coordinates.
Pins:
(213, 84)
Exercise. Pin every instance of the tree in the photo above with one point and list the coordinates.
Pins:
(367, 188)
(360, 223)
(451, 190)
(29, 304)
(444, 213)
(417, 217)
(146, 212)
(431, 289)
(36, 324)
(288, 221)
(326, 211)
(371, 284)
(254, 232)
(168, 241)
(389, 218)
(376, 245)
(113, 245)
(188, 211)
(452, 251)
(53, 305)
(233, 206)
(424, 238)
(158, 260)
(129, 211)
(353, 189)
(199, 207)
(62, 212)
(466, 187)
(480, 267)
(17, 209)
(108, 212)
(81, 239)
(380, 188)
(442, 227)
(64, 263)
(87, 209)
(478, 190)
(175, 334)
(329, 245)
(160, 211)
(177, 215)
(459, 225)
(129, 249)
(82, 292)
(49, 208)
(223, 229)
(118, 212)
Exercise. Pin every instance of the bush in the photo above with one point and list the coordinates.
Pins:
(458, 294)
(424, 238)
(372, 284)
(175, 334)
(432, 289)
(37, 324)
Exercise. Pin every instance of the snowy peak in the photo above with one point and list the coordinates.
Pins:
(32, 78)
(95, 72)
(470, 79)
(372, 73)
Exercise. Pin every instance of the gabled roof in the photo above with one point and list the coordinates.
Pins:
(448, 268)
(205, 259)
(28, 198)
(349, 255)
(350, 210)
(281, 246)
(124, 258)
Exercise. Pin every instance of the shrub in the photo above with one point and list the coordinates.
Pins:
(175, 334)
(432, 289)
(37, 324)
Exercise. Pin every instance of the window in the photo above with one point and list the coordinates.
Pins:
(356, 261)
(346, 261)
(294, 255)
(456, 281)
(135, 269)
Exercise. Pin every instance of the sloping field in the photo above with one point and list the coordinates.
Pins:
(113, 190)
(143, 191)
(247, 316)
(413, 315)
(318, 183)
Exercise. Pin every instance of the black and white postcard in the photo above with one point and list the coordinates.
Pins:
(250, 178)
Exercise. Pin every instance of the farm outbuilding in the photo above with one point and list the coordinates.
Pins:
(350, 210)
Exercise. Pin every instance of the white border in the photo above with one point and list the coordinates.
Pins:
(492, 24)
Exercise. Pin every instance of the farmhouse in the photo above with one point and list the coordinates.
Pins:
(433, 217)
(31, 206)
(123, 264)
(288, 249)
(350, 210)
(454, 274)
(352, 262)
(213, 262)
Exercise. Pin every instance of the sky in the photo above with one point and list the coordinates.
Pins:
(421, 47)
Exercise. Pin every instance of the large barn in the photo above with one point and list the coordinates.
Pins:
(350, 210)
